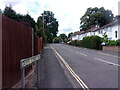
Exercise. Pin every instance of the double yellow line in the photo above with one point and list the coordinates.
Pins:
(77, 78)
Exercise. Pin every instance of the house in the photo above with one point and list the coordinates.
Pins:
(111, 30)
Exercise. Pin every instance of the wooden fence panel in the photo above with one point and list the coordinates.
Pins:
(16, 45)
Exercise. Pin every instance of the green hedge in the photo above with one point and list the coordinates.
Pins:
(93, 42)
(114, 42)
(56, 40)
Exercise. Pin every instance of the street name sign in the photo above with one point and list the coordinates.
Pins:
(28, 61)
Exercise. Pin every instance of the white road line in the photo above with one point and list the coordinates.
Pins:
(106, 61)
(78, 79)
(81, 53)
(108, 54)
(75, 51)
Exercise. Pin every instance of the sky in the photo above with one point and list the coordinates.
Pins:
(67, 12)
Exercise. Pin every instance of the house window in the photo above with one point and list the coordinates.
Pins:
(116, 34)
(99, 31)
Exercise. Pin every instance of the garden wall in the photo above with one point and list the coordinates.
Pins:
(111, 48)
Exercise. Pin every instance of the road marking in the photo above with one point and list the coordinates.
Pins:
(108, 54)
(75, 51)
(78, 79)
(81, 53)
(106, 62)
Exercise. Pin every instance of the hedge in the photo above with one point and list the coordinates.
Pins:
(93, 42)
(114, 42)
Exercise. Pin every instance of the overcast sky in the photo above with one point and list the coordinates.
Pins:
(67, 12)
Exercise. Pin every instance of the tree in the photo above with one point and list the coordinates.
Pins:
(95, 16)
(50, 25)
(25, 19)
(70, 34)
(63, 36)
(9, 12)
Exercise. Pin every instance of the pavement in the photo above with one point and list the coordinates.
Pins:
(51, 74)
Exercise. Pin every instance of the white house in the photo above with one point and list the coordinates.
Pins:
(112, 30)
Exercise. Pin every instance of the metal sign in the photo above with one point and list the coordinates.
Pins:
(28, 61)
(25, 63)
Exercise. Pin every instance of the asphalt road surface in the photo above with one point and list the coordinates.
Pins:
(50, 72)
(76, 67)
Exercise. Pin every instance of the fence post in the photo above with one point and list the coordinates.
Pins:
(22, 78)
(1, 52)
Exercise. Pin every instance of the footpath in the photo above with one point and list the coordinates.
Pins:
(51, 74)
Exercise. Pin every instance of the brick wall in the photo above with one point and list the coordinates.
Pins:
(111, 48)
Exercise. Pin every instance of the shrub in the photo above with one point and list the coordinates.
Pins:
(96, 42)
(114, 42)
(87, 42)
(118, 42)
(79, 43)
(93, 42)
(73, 42)
(56, 40)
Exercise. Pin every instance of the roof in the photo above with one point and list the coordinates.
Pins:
(93, 29)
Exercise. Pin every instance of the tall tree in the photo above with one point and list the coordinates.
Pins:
(26, 19)
(9, 12)
(95, 16)
(50, 25)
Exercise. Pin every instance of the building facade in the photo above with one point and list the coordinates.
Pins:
(112, 30)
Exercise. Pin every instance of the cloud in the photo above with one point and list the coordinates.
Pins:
(67, 12)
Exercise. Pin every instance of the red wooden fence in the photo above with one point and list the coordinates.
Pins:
(16, 45)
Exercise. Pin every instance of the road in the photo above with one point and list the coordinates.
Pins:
(89, 68)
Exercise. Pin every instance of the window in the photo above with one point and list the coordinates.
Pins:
(101, 31)
(116, 34)
(110, 29)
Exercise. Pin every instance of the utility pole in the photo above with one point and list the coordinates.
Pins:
(43, 22)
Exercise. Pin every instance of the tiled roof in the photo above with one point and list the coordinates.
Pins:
(117, 21)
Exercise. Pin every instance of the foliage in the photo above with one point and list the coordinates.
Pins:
(65, 41)
(63, 36)
(79, 43)
(73, 42)
(26, 19)
(50, 26)
(105, 38)
(70, 34)
(93, 42)
(95, 16)
(96, 42)
(56, 40)
(87, 42)
(114, 42)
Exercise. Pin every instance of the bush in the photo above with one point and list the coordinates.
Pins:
(73, 42)
(56, 40)
(79, 43)
(93, 42)
(118, 42)
(114, 42)
(96, 42)
(87, 42)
